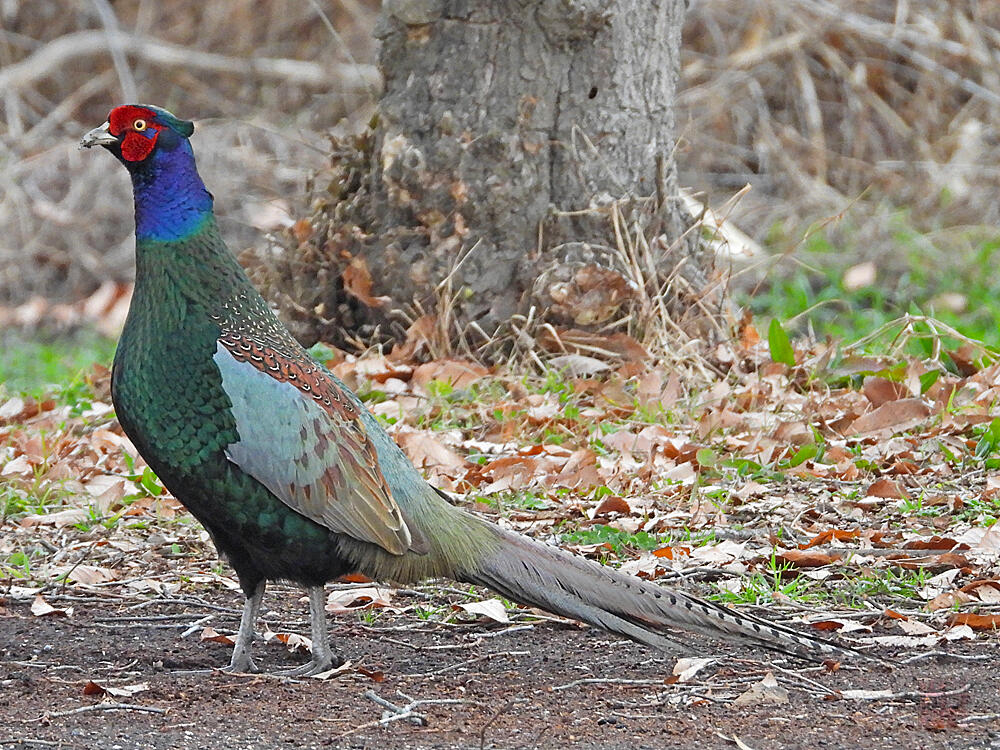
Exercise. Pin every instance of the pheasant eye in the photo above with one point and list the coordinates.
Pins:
(139, 125)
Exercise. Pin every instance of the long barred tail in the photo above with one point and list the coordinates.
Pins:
(548, 578)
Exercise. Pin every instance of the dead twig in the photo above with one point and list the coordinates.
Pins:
(606, 681)
(98, 707)
(67, 50)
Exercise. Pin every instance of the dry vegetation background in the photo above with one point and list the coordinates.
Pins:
(822, 106)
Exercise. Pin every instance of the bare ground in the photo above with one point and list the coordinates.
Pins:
(504, 687)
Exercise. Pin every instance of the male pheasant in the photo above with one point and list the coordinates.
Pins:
(293, 478)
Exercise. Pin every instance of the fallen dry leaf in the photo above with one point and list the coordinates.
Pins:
(210, 634)
(59, 519)
(880, 390)
(974, 621)
(491, 608)
(353, 600)
(767, 691)
(830, 535)
(806, 558)
(41, 608)
(886, 488)
(118, 691)
(358, 283)
(688, 667)
(915, 627)
(611, 504)
(895, 415)
(293, 641)
(458, 373)
(987, 592)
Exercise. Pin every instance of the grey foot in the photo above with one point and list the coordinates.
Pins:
(314, 667)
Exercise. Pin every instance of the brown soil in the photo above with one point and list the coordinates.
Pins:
(506, 681)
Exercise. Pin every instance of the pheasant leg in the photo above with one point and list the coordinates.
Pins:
(323, 656)
(242, 661)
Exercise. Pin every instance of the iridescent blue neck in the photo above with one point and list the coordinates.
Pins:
(171, 202)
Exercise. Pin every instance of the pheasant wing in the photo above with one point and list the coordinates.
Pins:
(302, 437)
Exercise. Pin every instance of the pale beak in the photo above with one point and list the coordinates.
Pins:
(100, 136)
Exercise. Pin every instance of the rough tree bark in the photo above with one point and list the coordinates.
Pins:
(509, 136)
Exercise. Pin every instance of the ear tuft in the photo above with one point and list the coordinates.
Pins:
(185, 128)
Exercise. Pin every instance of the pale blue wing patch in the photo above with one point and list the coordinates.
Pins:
(313, 459)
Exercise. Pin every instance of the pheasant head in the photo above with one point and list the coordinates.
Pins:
(171, 202)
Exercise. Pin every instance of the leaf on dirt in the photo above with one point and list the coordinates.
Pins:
(960, 633)
(688, 667)
(881, 390)
(18, 467)
(748, 335)
(580, 470)
(948, 600)
(830, 535)
(974, 621)
(990, 541)
(419, 336)
(90, 574)
(839, 625)
(935, 542)
(740, 744)
(939, 583)
(375, 675)
(578, 365)
(672, 553)
(426, 451)
(724, 552)
(92, 688)
(120, 691)
(353, 600)
(897, 416)
(17, 409)
(915, 627)
(161, 588)
(767, 691)
(491, 608)
(987, 592)
(806, 558)
(611, 504)
(576, 341)
(107, 491)
(293, 641)
(649, 388)
(41, 608)
(458, 373)
(593, 295)
(886, 488)
(344, 668)
(59, 519)
(210, 634)
(965, 360)
(358, 283)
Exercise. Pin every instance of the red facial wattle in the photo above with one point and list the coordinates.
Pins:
(136, 145)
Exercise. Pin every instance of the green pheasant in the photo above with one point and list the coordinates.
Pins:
(284, 466)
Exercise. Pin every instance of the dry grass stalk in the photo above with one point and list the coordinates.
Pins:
(814, 101)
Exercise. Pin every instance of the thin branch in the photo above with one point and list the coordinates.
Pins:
(64, 51)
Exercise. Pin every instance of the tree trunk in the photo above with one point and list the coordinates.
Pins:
(520, 168)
